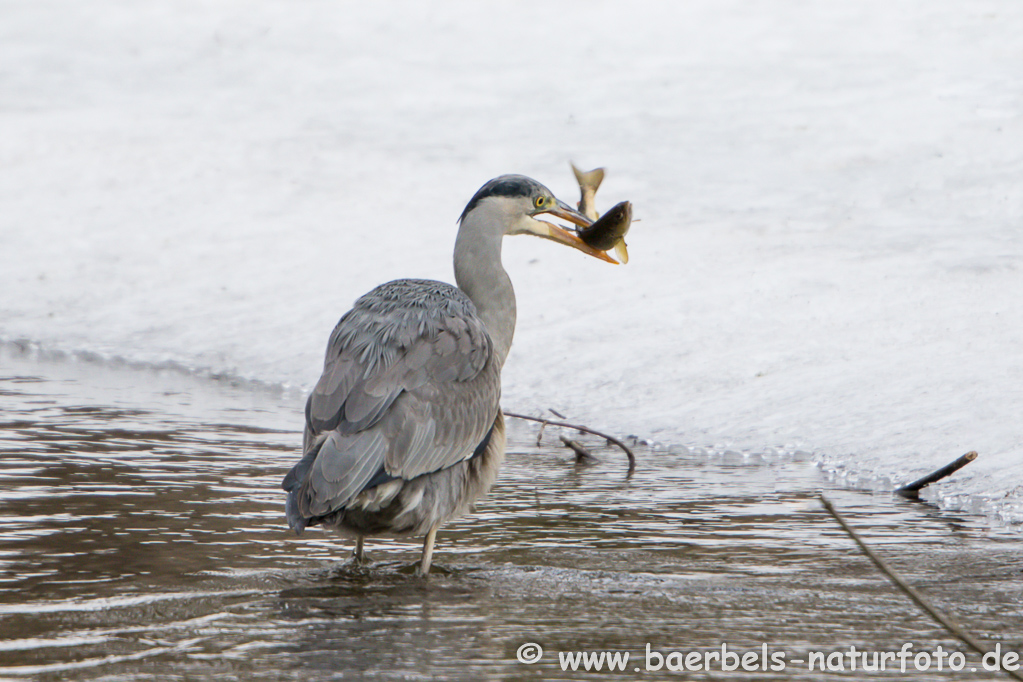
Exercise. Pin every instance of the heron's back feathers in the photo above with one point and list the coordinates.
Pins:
(410, 386)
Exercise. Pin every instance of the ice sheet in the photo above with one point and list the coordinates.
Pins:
(830, 202)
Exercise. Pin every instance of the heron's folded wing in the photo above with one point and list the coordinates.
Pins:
(439, 422)
(403, 392)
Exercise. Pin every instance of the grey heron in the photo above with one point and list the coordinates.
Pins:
(404, 430)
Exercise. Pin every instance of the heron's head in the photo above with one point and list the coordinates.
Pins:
(513, 202)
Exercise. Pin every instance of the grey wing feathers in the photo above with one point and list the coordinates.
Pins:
(410, 385)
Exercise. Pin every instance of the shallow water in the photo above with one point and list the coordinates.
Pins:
(142, 537)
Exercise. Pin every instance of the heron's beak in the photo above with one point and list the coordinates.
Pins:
(566, 212)
(563, 236)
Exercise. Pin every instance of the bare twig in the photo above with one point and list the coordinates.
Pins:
(582, 455)
(584, 429)
(911, 592)
(912, 491)
(556, 413)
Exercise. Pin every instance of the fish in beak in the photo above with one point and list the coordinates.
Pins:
(607, 231)
(563, 236)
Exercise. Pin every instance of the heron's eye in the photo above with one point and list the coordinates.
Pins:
(540, 201)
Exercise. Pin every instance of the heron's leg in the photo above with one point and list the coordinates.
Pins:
(424, 564)
(360, 556)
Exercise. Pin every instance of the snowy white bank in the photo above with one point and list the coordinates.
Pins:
(830, 252)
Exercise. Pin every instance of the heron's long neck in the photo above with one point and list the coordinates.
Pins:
(478, 272)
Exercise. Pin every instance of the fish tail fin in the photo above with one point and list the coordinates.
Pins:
(588, 179)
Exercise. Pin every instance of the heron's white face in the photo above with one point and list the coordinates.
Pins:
(520, 212)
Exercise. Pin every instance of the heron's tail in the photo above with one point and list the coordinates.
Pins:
(293, 484)
(296, 521)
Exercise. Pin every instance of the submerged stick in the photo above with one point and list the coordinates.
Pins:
(910, 591)
(912, 491)
(582, 455)
(584, 429)
(539, 433)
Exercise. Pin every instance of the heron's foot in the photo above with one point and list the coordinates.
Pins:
(361, 559)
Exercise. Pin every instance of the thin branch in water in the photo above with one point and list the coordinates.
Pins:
(584, 429)
(912, 491)
(910, 591)
(582, 455)
(556, 413)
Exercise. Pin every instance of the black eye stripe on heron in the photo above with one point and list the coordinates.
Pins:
(404, 429)
(505, 186)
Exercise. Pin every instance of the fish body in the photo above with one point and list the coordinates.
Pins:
(588, 181)
(608, 231)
